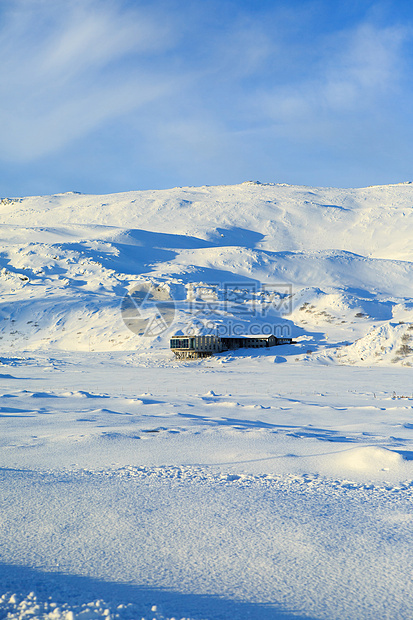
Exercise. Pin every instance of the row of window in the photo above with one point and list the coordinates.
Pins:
(209, 343)
(201, 342)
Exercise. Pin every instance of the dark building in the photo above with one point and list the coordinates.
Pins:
(190, 347)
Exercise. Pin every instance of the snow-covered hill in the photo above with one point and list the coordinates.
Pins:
(261, 483)
(337, 263)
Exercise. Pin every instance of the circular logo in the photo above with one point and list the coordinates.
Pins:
(148, 309)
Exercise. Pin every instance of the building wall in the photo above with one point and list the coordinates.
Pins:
(214, 344)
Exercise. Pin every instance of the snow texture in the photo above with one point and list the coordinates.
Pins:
(259, 483)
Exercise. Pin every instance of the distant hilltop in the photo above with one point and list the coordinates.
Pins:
(84, 272)
(374, 221)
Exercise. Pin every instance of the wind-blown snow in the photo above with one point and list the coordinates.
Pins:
(271, 483)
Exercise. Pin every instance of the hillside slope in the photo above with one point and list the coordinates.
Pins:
(334, 262)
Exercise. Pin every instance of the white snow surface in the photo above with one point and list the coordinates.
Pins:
(259, 483)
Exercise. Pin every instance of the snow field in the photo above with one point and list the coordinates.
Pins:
(241, 412)
(204, 488)
(298, 544)
(262, 484)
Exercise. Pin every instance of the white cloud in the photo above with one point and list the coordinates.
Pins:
(61, 74)
(355, 74)
(189, 87)
(369, 67)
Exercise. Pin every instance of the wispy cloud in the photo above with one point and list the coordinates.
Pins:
(201, 92)
(67, 66)
(355, 73)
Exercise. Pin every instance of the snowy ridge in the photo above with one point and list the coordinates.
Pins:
(346, 253)
(373, 221)
(384, 344)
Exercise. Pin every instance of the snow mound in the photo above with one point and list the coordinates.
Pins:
(368, 460)
(16, 607)
(386, 344)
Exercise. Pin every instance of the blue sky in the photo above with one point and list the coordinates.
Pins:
(104, 95)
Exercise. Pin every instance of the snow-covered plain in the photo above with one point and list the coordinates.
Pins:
(270, 483)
